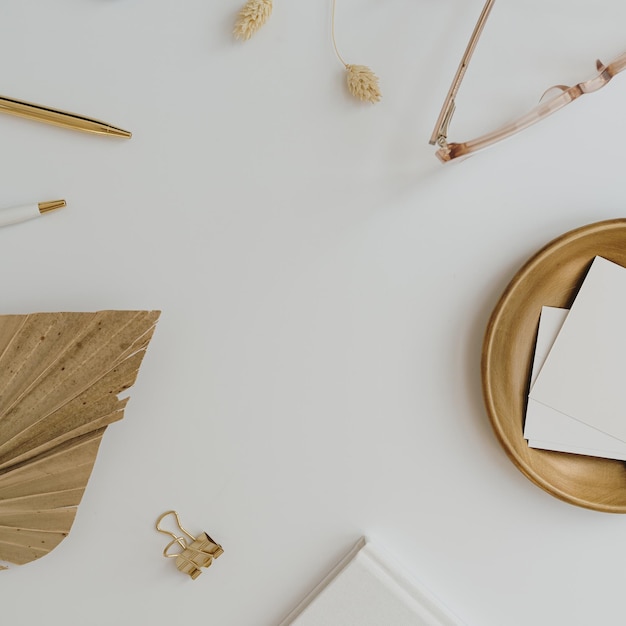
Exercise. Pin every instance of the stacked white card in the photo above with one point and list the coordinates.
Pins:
(368, 589)
(577, 400)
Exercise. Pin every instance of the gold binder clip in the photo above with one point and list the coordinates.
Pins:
(199, 553)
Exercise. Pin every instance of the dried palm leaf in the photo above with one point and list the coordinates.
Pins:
(251, 17)
(60, 376)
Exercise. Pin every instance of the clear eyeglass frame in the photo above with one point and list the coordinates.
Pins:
(448, 151)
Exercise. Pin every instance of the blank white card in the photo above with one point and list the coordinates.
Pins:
(548, 429)
(584, 375)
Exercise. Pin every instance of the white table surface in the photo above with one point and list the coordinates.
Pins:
(325, 285)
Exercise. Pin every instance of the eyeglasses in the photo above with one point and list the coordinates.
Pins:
(449, 151)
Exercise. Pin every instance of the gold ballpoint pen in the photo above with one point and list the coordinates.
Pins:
(59, 118)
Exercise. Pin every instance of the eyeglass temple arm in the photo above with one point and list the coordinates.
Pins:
(451, 151)
(440, 133)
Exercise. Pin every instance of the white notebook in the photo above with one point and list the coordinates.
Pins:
(366, 589)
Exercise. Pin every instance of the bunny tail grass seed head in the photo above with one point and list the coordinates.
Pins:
(363, 83)
(251, 17)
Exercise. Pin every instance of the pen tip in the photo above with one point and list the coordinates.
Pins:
(119, 132)
(52, 205)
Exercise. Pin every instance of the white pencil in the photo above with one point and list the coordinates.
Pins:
(16, 214)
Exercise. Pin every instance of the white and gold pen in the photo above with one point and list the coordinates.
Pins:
(16, 214)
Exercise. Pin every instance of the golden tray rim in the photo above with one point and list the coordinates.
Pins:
(554, 274)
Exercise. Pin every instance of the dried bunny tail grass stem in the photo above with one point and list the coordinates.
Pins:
(251, 17)
(362, 82)
(332, 31)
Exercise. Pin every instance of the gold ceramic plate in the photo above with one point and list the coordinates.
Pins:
(551, 277)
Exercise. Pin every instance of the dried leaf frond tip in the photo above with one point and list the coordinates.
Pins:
(251, 17)
(363, 83)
